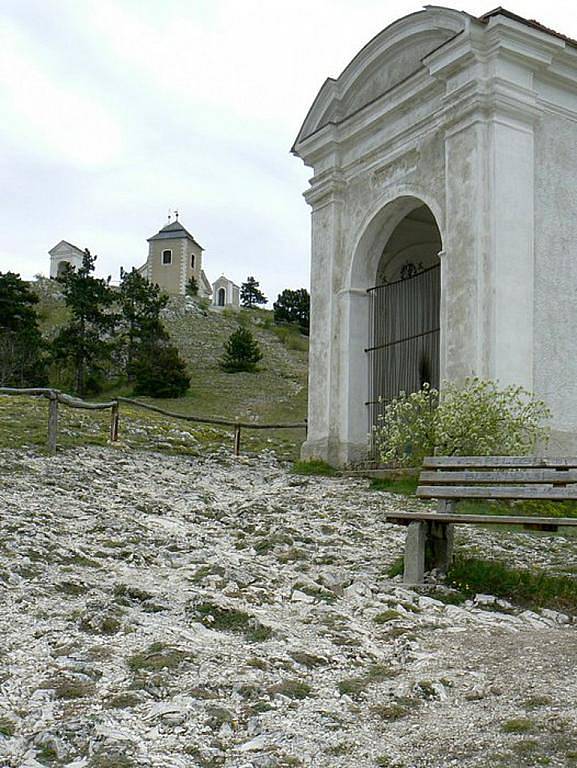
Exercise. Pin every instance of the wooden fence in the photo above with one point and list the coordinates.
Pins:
(56, 398)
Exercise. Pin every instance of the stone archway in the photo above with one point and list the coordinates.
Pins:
(404, 312)
(61, 269)
(221, 297)
(403, 227)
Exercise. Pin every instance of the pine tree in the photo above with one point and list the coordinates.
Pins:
(141, 303)
(192, 286)
(22, 361)
(241, 351)
(250, 293)
(293, 307)
(86, 341)
(158, 369)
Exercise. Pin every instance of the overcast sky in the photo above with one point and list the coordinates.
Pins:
(114, 111)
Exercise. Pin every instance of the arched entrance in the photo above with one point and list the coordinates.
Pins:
(61, 270)
(404, 311)
(221, 297)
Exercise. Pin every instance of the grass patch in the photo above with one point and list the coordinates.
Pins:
(231, 620)
(529, 588)
(291, 337)
(385, 616)
(314, 467)
(396, 568)
(156, 657)
(539, 700)
(405, 485)
(293, 689)
(7, 726)
(356, 686)
(73, 689)
(308, 660)
(518, 725)
(390, 712)
(125, 700)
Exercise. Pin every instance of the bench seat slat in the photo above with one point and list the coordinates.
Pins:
(499, 462)
(441, 517)
(542, 476)
(540, 492)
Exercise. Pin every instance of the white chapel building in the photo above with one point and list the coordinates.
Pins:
(444, 221)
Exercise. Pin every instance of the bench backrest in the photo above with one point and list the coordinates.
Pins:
(498, 477)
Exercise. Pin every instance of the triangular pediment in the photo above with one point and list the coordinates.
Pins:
(387, 60)
(65, 248)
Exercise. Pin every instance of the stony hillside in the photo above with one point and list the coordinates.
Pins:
(172, 612)
(276, 393)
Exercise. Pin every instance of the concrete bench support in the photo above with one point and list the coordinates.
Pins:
(415, 546)
(428, 546)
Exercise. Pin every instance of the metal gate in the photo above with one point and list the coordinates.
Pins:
(403, 351)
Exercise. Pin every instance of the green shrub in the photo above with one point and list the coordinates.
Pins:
(477, 419)
(192, 286)
(159, 371)
(314, 467)
(241, 351)
(531, 588)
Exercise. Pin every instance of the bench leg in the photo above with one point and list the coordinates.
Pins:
(440, 546)
(415, 553)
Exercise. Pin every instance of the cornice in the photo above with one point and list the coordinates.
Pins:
(327, 188)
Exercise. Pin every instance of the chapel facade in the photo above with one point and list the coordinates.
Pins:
(174, 256)
(444, 221)
(64, 255)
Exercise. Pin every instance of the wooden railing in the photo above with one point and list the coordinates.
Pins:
(56, 398)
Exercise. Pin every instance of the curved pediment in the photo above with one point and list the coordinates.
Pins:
(388, 59)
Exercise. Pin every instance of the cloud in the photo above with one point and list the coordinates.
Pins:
(50, 118)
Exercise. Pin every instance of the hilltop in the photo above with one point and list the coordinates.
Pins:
(276, 393)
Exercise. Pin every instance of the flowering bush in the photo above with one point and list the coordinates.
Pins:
(477, 419)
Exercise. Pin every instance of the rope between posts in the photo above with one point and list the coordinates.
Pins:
(55, 397)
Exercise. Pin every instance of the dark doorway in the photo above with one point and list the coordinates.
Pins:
(404, 317)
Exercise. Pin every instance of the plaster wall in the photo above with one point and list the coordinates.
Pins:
(555, 318)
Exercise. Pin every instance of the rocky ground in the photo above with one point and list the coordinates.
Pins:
(170, 611)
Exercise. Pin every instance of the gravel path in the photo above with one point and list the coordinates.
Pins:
(171, 612)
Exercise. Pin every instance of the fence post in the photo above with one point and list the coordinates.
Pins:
(52, 422)
(114, 422)
(237, 439)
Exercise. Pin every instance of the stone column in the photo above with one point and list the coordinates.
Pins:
(326, 200)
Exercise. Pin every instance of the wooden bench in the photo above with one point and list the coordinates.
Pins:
(429, 543)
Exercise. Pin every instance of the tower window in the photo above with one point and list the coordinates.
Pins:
(192, 260)
(167, 257)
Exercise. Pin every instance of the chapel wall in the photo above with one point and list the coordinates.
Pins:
(172, 278)
(555, 309)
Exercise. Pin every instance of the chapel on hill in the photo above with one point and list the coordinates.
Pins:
(174, 257)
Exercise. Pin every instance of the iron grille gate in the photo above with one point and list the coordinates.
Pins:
(403, 351)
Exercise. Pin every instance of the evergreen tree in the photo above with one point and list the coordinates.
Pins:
(141, 303)
(241, 351)
(21, 346)
(159, 371)
(293, 307)
(86, 341)
(250, 293)
(192, 286)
